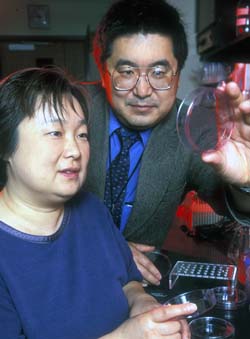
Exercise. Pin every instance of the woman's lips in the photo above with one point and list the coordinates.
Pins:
(70, 173)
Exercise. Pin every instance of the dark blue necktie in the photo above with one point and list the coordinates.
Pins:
(117, 175)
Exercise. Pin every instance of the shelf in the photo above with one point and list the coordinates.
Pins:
(238, 50)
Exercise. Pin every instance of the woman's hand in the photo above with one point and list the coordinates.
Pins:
(139, 301)
(160, 322)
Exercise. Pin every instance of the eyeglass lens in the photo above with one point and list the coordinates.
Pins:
(125, 78)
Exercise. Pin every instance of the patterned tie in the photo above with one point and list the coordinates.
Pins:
(117, 175)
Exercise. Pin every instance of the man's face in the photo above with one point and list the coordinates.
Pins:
(141, 107)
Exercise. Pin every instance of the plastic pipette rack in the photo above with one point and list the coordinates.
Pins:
(203, 270)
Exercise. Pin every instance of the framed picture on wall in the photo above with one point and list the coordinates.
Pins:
(38, 16)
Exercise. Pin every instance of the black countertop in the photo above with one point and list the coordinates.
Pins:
(179, 246)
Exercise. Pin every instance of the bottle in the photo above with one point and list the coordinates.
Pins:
(243, 268)
(244, 260)
(247, 283)
(243, 17)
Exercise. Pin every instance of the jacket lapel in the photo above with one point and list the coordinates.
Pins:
(157, 169)
(99, 141)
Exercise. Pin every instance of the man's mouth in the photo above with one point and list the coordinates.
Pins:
(142, 108)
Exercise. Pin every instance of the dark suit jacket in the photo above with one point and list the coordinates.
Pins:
(167, 172)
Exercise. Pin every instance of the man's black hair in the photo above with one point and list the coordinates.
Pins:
(127, 17)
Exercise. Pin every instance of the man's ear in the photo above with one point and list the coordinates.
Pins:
(4, 158)
(177, 81)
(103, 80)
(107, 84)
(105, 77)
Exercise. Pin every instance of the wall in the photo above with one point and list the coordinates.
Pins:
(71, 18)
(190, 74)
(67, 17)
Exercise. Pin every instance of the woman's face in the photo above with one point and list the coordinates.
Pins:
(50, 162)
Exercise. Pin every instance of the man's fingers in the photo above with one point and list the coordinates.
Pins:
(234, 92)
(141, 247)
(212, 157)
(147, 268)
(245, 110)
(153, 278)
(144, 264)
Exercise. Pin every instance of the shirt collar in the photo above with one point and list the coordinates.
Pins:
(114, 123)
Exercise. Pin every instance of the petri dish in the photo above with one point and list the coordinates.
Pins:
(161, 261)
(211, 327)
(229, 298)
(163, 264)
(205, 119)
(204, 299)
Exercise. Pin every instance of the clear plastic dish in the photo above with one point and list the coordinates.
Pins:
(211, 328)
(163, 264)
(161, 261)
(204, 299)
(229, 298)
(205, 119)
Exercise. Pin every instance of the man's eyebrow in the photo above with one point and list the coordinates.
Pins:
(122, 62)
(161, 62)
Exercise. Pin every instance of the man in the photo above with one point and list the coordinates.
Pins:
(140, 48)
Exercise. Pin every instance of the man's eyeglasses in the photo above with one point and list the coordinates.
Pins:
(160, 77)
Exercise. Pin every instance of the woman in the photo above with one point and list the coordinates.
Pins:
(65, 270)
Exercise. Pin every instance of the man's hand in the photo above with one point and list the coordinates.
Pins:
(144, 264)
(232, 160)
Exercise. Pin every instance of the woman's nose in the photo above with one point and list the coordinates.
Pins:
(72, 149)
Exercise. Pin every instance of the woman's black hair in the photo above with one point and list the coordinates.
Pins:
(20, 93)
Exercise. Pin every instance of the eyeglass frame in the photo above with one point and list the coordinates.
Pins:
(139, 75)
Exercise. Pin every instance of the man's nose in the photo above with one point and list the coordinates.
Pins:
(143, 88)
